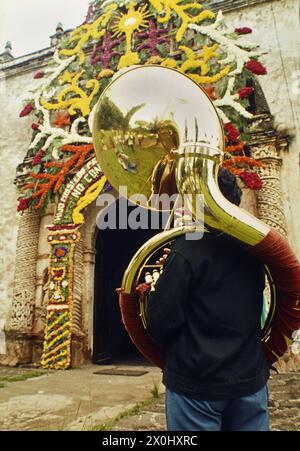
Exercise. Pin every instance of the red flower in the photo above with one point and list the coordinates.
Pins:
(35, 126)
(23, 204)
(256, 67)
(252, 180)
(232, 132)
(58, 273)
(245, 92)
(243, 30)
(26, 110)
(39, 74)
(38, 158)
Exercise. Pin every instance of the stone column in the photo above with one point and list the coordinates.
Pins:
(269, 199)
(77, 321)
(89, 271)
(88, 243)
(20, 323)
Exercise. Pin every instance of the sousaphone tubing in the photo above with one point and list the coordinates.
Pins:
(156, 131)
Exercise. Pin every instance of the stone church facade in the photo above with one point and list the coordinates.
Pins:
(27, 239)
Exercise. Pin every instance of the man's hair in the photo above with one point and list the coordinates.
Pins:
(229, 187)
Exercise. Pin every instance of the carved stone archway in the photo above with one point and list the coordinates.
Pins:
(267, 147)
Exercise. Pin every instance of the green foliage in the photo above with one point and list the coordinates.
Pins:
(144, 55)
(36, 169)
(136, 410)
(162, 50)
(200, 39)
(221, 87)
(155, 391)
(233, 36)
(109, 115)
(19, 377)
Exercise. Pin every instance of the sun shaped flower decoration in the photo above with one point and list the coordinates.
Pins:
(133, 20)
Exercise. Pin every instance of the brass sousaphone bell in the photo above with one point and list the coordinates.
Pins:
(155, 130)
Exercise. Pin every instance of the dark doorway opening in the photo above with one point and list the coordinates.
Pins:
(114, 250)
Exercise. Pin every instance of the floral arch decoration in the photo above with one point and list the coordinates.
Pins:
(80, 192)
(115, 34)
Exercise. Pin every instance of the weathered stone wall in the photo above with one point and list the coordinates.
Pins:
(15, 138)
(276, 29)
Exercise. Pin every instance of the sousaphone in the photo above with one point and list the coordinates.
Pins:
(156, 131)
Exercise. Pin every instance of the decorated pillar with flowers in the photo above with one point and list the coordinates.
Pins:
(63, 309)
(57, 344)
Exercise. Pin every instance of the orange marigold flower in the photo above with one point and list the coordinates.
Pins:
(62, 119)
(210, 90)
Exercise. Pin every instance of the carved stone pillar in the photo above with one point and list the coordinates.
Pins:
(89, 272)
(267, 147)
(89, 257)
(19, 327)
(77, 322)
(270, 207)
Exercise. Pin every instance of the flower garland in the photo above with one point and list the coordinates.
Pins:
(81, 102)
(125, 33)
(91, 194)
(46, 182)
(57, 340)
(86, 177)
(127, 23)
(238, 52)
(194, 61)
(83, 34)
(165, 8)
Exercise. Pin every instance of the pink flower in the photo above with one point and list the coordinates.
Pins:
(232, 132)
(26, 110)
(243, 30)
(245, 92)
(256, 67)
(39, 74)
(35, 126)
(23, 204)
(252, 180)
(38, 158)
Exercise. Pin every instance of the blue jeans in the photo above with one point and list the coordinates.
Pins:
(249, 413)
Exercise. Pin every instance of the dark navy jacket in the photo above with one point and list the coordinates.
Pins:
(205, 313)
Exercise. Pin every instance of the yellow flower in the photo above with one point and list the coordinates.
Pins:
(127, 24)
(131, 21)
(129, 59)
(169, 62)
(166, 8)
(91, 194)
(105, 73)
(155, 60)
(205, 79)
